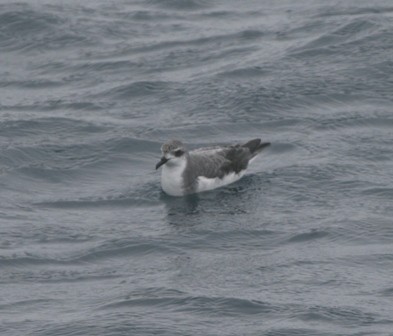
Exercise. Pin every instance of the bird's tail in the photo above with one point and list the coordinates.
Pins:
(256, 146)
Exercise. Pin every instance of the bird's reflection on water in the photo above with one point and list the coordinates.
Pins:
(194, 209)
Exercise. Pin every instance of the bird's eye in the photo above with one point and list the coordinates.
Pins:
(179, 152)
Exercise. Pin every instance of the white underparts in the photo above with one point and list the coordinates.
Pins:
(172, 177)
(205, 183)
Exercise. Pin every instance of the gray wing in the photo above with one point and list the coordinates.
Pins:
(216, 162)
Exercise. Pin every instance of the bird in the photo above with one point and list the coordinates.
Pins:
(187, 172)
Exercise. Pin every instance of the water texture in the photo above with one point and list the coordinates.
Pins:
(89, 244)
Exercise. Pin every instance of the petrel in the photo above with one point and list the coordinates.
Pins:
(186, 172)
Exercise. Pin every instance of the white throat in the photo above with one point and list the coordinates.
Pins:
(172, 177)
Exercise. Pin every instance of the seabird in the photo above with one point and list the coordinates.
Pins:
(186, 172)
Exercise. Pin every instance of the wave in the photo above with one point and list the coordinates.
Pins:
(138, 89)
(348, 39)
(219, 306)
(181, 4)
(30, 29)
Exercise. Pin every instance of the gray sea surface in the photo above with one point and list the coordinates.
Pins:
(90, 245)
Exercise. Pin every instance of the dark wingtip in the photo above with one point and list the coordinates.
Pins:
(263, 145)
(255, 145)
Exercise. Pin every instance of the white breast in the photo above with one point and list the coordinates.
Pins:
(172, 180)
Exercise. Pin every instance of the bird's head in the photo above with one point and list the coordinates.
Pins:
(173, 153)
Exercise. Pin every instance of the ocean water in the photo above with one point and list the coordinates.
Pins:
(90, 245)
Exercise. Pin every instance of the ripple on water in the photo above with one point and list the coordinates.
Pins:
(220, 306)
(308, 236)
(139, 89)
(28, 29)
(329, 43)
(181, 5)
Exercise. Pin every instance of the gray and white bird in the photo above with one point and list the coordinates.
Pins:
(186, 172)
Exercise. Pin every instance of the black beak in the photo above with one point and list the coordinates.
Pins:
(162, 161)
